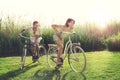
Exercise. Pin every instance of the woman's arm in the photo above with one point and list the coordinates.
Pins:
(56, 27)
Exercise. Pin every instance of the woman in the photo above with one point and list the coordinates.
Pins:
(59, 29)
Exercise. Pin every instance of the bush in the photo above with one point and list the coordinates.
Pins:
(91, 37)
(113, 42)
(89, 41)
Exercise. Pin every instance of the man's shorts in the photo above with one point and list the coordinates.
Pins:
(34, 40)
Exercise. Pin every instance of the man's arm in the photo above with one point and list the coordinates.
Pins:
(40, 33)
(23, 30)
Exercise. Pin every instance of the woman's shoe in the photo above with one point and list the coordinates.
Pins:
(60, 62)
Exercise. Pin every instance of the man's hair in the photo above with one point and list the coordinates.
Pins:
(35, 22)
(69, 20)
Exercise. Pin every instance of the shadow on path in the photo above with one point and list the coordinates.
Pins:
(73, 76)
(45, 74)
(16, 72)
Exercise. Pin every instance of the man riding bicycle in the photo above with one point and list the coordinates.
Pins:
(35, 37)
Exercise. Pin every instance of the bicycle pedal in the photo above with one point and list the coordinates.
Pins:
(76, 59)
(57, 67)
(21, 68)
(53, 56)
(34, 60)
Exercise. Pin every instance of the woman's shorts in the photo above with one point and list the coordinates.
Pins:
(55, 38)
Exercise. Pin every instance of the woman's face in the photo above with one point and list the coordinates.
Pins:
(71, 24)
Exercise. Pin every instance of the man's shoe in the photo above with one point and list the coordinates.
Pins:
(34, 58)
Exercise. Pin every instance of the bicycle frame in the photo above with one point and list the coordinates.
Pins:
(27, 46)
(68, 44)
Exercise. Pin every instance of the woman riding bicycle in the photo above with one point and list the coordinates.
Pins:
(58, 37)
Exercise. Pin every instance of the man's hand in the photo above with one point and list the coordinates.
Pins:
(20, 34)
(37, 36)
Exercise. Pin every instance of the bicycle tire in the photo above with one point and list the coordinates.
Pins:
(41, 53)
(52, 56)
(77, 59)
(23, 57)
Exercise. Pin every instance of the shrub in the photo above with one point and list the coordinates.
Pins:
(113, 42)
(91, 37)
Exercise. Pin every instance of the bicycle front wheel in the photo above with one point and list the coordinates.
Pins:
(23, 57)
(77, 59)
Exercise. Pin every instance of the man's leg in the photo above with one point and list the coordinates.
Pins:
(34, 52)
(33, 48)
(37, 46)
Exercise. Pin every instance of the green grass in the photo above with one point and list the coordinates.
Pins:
(101, 65)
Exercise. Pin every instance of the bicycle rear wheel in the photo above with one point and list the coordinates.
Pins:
(77, 59)
(52, 56)
(23, 57)
(41, 53)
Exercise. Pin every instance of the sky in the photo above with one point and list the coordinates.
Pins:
(57, 11)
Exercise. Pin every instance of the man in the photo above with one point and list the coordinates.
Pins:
(35, 37)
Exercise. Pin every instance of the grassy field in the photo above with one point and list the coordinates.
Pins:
(101, 65)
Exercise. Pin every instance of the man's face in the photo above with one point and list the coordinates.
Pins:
(35, 25)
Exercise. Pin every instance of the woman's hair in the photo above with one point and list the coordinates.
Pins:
(69, 20)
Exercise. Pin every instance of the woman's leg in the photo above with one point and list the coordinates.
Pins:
(60, 50)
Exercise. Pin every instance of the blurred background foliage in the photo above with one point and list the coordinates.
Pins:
(91, 36)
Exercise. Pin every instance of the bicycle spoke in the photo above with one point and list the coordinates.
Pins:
(77, 59)
(52, 56)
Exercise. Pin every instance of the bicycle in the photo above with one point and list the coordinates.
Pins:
(27, 49)
(76, 55)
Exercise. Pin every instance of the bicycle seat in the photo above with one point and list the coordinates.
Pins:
(50, 45)
(77, 44)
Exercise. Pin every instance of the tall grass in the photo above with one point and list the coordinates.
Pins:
(9, 42)
(92, 38)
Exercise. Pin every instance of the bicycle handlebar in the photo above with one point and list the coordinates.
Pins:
(72, 33)
(23, 36)
(26, 37)
(69, 32)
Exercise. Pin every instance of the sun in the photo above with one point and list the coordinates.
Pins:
(101, 22)
(100, 16)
